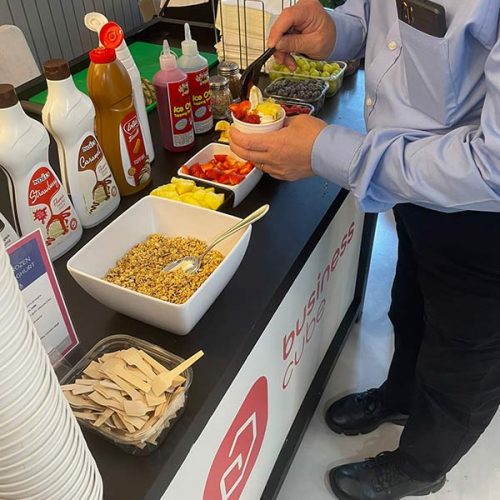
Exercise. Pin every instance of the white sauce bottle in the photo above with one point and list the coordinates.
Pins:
(39, 201)
(69, 116)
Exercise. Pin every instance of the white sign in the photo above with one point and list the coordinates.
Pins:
(41, 293)
(235, 453)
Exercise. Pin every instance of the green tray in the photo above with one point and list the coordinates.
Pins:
(146, 56)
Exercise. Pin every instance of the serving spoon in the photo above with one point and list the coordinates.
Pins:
(192, 264)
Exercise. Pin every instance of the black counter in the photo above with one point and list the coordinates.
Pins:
(279, 246)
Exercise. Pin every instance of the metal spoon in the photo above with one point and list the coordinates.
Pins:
(191, 264)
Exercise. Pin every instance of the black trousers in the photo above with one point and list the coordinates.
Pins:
(445, 309)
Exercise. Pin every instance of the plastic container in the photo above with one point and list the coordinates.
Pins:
(196, 68)
(174, 104)
(111, 36)
(69, 116)
(7, 232)
(38, 199)
(163, 426)
(117, 125)
(286, 102)
(334, 81)
(241, 190)
(270, 91)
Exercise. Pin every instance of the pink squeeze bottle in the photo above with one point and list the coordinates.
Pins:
(173, 103)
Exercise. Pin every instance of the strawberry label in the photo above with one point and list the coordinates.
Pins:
(51, 209)
(96, 180)
(181, 117)
(134, 159)
(199, 89)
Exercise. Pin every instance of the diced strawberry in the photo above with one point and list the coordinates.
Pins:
(252, 118)
(221, 158)
(235, 179)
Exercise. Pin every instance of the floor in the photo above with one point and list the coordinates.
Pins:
(363, 364)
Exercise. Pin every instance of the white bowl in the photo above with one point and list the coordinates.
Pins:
(169, 218)
(242, 190)
(259, 128)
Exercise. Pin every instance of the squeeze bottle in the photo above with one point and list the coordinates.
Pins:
(69, 116)
(196, 68)
(111, 36)
(7, 233)
(174, 103)
(39, 201)
(117, 126)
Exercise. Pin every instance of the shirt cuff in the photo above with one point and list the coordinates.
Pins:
(348, 39)
(333, 153)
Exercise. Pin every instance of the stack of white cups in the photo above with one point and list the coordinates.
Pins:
(43, 455)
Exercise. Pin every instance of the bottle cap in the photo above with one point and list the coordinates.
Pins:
(94, 21)
(218, 82)
(228, 68)
(167, 58)
(56, 69)
(111, 35)
(102, 56)
(8, 96)
(189, 46)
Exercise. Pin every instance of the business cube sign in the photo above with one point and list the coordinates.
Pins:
(240, 447)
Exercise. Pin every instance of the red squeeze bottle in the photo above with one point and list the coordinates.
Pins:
(173, 103)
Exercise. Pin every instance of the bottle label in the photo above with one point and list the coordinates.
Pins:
(136, 166)
(50, 207)
(181, 117)
(199, 89)
(96, 182)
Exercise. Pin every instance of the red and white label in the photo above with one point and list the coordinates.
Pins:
(240, 447)
(135, 161)
(181, 117)
(50, 207)
(199, 89)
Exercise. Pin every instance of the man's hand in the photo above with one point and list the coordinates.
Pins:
(284, 154)
(313, 32)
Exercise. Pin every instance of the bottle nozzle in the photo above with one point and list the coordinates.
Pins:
(187, 32)
(189, 46)
(167, 59)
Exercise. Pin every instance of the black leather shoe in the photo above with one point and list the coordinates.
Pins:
(379, 478)
(361, 413)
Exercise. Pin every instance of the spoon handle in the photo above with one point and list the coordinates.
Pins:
(253, 217)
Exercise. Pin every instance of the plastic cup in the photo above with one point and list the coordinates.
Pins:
(259, 128)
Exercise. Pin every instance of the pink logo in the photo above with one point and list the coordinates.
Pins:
(240, 447)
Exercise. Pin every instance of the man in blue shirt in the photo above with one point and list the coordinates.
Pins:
(431, 152)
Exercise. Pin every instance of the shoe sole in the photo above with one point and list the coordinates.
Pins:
(366, 430)
(344, 496)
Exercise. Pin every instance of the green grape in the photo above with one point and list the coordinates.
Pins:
(328, 68)
(336, 67)
(285, 69)
(325, 74)
(314, 72)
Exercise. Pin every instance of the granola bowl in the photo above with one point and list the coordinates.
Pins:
(158, 216)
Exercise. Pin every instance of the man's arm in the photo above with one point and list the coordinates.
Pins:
(351, 23)
(459, 170)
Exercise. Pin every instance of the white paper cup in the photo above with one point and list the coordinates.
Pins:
(9, 302)
(19, 346)
(259, 128)
(83, 484)
(48, 401)
(47, 475)
(25, 387)
(59, 449)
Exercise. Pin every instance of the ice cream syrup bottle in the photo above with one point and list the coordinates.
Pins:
(117, 127)
(69, 116)
(196, 68)
(174, 104)
(39, 201)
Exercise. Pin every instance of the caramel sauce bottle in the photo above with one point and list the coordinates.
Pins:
(117, 126)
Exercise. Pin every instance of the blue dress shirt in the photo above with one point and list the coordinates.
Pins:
(432, 109)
